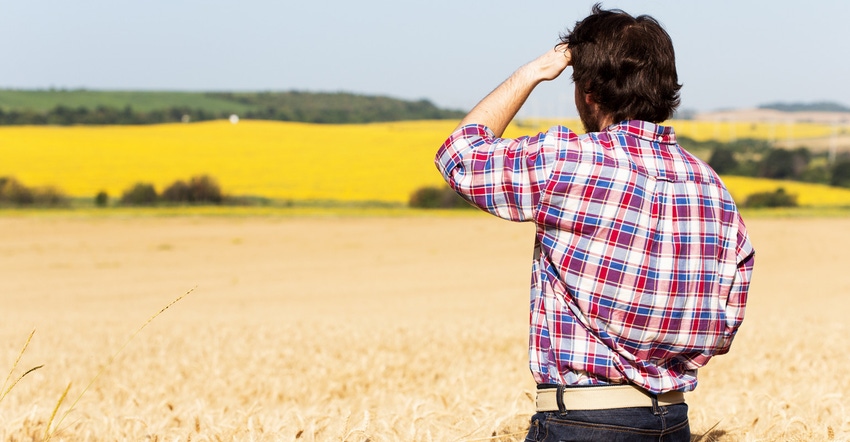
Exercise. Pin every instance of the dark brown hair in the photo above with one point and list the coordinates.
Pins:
(626, 64)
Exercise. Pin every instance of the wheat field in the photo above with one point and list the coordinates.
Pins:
(408, 327)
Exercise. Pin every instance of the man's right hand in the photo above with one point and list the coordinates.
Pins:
(550, 65)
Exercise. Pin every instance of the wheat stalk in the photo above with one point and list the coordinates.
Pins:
(49, 434)
(708, 433)
(14, 366)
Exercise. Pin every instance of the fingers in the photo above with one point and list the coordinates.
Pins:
(565, 50)
(549, 65)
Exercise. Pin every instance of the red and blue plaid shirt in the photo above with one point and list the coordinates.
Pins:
(641, 263)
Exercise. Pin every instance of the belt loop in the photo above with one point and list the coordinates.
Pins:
(656, 410)
(560, 398)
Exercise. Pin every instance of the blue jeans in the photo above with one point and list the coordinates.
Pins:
(668, 424)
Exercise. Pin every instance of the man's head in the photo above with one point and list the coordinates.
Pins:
(624, 68)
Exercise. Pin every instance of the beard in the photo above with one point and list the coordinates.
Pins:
(589, 117)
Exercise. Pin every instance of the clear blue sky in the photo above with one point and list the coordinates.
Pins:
(730, 53)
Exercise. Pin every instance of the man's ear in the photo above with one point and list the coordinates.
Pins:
(588, 98)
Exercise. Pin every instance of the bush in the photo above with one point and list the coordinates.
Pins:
(437, 198)
(723, 160)
(204, 189)
(784, 164)
(201, 189)
(841, 174)
(141, 194)
(178, 192)
(101, 199)
(777, 198)
(49, 196)
(13, 192)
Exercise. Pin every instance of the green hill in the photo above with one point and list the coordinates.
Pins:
(82, 106)
(821, 106)
(142, 101)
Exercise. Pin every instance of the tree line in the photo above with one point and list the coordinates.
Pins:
(197, 190)
(821, 106)
(307, 107)
(102, 115)
(760, 159)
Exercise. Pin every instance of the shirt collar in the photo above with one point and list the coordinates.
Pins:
(645, 130)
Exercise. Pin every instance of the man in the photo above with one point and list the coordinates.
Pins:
(641, 262)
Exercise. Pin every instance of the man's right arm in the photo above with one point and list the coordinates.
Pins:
(498, 108)
(502, 176)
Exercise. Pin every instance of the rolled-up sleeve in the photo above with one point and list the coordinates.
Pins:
(736, 301)
(499, 175)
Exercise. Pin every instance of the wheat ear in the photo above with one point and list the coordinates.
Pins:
(47, 433)
(108, 363)
(14, 366)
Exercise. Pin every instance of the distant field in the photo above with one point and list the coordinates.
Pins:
(788, 130)
(143, 101)
(808, 194)
(85, 107)
(729, 130)
(789, 134)
(383, 162)
(296, 161)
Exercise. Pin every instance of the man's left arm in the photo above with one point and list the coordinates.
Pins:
(736, 301)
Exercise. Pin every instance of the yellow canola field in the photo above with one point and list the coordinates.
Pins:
(384, 162)
(282, 160)
(808, 194)
(726, 131)
(298, 161)
(736, 130)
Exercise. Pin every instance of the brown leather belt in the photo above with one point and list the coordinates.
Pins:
(603, 398)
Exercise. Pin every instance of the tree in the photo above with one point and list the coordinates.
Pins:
(201, 189)
(437, 198)
(49, 196)
(14, 192)
(177, 192)
(204, 189)
(784, 164)
(841, 174)
(101, 199)
(777, 198)
(141, 194)
(723, 160)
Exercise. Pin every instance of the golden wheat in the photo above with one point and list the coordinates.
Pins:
(358, 328)
(7, 387)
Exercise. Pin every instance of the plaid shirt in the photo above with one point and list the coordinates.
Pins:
(641, 262)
